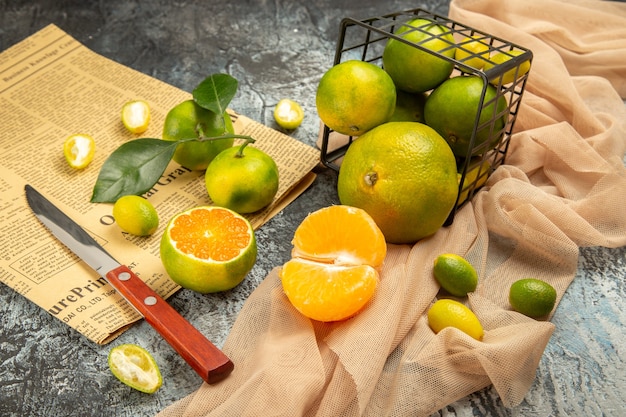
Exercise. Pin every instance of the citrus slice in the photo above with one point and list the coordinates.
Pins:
(288, 114)
(208, 249)
(136, 116)
(333, 272)
(450, 313)
(135, 215)
(79, 150)
(135, 367)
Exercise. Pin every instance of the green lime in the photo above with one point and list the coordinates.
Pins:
(532, 297)
(455, 274)
(355, 96)
(243, 181)
(451, 110)
(135, 367)
(189, 120)
(409, 107)
(135, 215)
(413, 69)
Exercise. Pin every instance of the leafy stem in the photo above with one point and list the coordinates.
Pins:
(137, 165)
(247, 139)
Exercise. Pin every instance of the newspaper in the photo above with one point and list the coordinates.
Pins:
(52, 86)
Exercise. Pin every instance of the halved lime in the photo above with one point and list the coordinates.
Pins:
(136, 116)
(135, 367)
(288, 114)
(79, 150)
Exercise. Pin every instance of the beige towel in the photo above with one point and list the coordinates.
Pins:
(563, 187)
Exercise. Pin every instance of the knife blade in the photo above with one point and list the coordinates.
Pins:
(203, 356)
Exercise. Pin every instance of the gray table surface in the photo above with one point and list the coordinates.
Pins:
(275, 49)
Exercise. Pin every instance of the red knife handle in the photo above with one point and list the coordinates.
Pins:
(198, 351)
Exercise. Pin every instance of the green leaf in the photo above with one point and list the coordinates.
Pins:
(215, 92)
(133, 168)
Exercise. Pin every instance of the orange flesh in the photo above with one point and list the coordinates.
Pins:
(340, 235)
(328, 292)
(210, 234)
(333, 272)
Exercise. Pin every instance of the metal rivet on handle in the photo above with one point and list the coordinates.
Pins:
(124, 276)
(150, 301)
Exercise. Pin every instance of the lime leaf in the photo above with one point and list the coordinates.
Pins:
(215, 92)
(133, 168)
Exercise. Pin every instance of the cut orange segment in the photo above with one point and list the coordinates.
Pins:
(333, 272)
(79, 150)
(208, 249)
(326, 292)
(136, 116)
(340, 234)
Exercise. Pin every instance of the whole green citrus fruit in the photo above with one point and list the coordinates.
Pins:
(403, 174)
(409, 107)
(451, 110)
(242, 180)
(189, 120)
(135, 215)
(412, 69)
(355, 96)
(532, 297)
(510, 75)
(450, 313)
(473, 51)
(455, 274)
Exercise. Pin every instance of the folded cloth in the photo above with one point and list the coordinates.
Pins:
(562, 187)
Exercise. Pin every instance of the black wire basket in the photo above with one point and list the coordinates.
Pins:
(365, 40)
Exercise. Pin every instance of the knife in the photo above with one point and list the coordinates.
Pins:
(203, 356)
